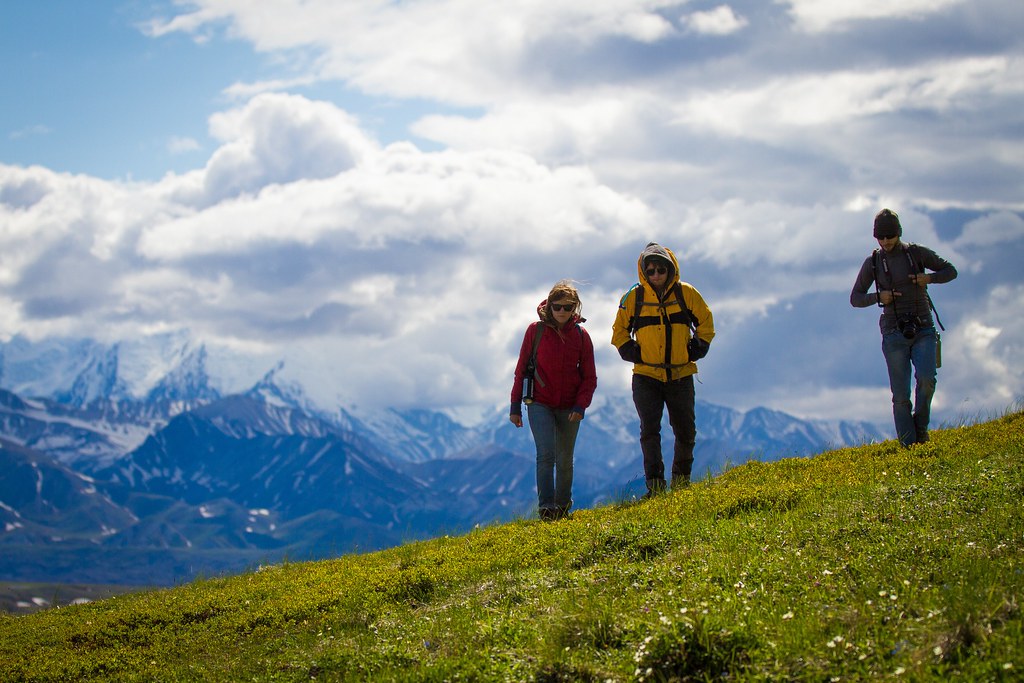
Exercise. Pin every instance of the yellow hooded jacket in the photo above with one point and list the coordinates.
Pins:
(662, 330)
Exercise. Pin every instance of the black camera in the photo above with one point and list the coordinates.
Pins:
(908, 325)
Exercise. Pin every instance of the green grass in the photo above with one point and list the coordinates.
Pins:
(868, 562)
(26, 598)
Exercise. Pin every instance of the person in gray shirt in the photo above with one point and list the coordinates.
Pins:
(898, 271)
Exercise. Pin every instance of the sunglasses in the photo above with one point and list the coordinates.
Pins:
(656, 270)
(568, 308)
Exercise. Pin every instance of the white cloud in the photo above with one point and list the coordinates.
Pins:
(774, 110)
(246, 91)
(994, 229)
(720, 21)
(826, 15)
(183, 145)
(30, 131)
(982, 374)
(423, 49)
(277, 138)
(295, 260)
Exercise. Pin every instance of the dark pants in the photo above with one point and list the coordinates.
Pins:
(651, 397)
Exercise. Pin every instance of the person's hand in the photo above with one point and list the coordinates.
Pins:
(921, 279)
(886, 296)
(630, 352)
(516, 419)
(697, 348)
(575, 417)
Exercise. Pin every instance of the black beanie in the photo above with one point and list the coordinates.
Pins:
(887, 224)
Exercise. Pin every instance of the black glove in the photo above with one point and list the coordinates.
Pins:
(697, 348)
(630, 352)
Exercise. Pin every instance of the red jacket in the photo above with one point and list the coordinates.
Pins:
(565, 376)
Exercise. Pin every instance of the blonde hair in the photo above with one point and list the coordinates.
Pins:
(563, 289)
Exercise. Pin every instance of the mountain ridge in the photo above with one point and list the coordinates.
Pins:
(264, 472)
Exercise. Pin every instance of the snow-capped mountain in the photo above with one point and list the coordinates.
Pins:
(42, 501)
(164, 459)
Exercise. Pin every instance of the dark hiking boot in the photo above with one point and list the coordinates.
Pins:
(548, 514)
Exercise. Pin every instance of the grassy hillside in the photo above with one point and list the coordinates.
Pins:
(860, 563)
(26, 598)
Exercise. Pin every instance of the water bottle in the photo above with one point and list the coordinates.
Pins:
(527, 389)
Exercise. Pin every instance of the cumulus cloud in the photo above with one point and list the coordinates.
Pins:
(275, 139)
(767, 111)
(992, 230)
(826, 15)
(719, 21)
(391, 249)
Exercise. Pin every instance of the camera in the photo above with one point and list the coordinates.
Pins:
(908, 325)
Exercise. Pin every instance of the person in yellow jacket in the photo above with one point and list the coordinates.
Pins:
(663, 327)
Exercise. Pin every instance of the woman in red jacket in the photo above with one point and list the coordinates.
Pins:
(557, 371)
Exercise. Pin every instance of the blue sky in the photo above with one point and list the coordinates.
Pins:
(99, 96)
(345, 184)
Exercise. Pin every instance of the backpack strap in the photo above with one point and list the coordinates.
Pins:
(690, 321)
(638, 302)
(682, 316)
(916, 268)
(531, 365)
(874, 274)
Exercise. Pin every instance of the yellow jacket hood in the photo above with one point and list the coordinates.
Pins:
(655, 250)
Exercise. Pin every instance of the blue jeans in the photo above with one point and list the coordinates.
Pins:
(555, 438)
(900, 353)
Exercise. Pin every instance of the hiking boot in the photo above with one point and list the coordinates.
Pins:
(655, 487)
(548, 514)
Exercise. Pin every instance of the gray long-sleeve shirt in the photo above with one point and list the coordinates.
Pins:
(892, 271)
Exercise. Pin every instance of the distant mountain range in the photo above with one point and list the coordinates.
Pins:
(102, 481)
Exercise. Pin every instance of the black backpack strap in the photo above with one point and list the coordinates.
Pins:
(874, 274)
(685, 312)
(638, 302)
(531, 366)
(917, 266)
(683, 316)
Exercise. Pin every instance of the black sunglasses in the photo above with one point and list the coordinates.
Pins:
(569, 308)
(656, 270)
